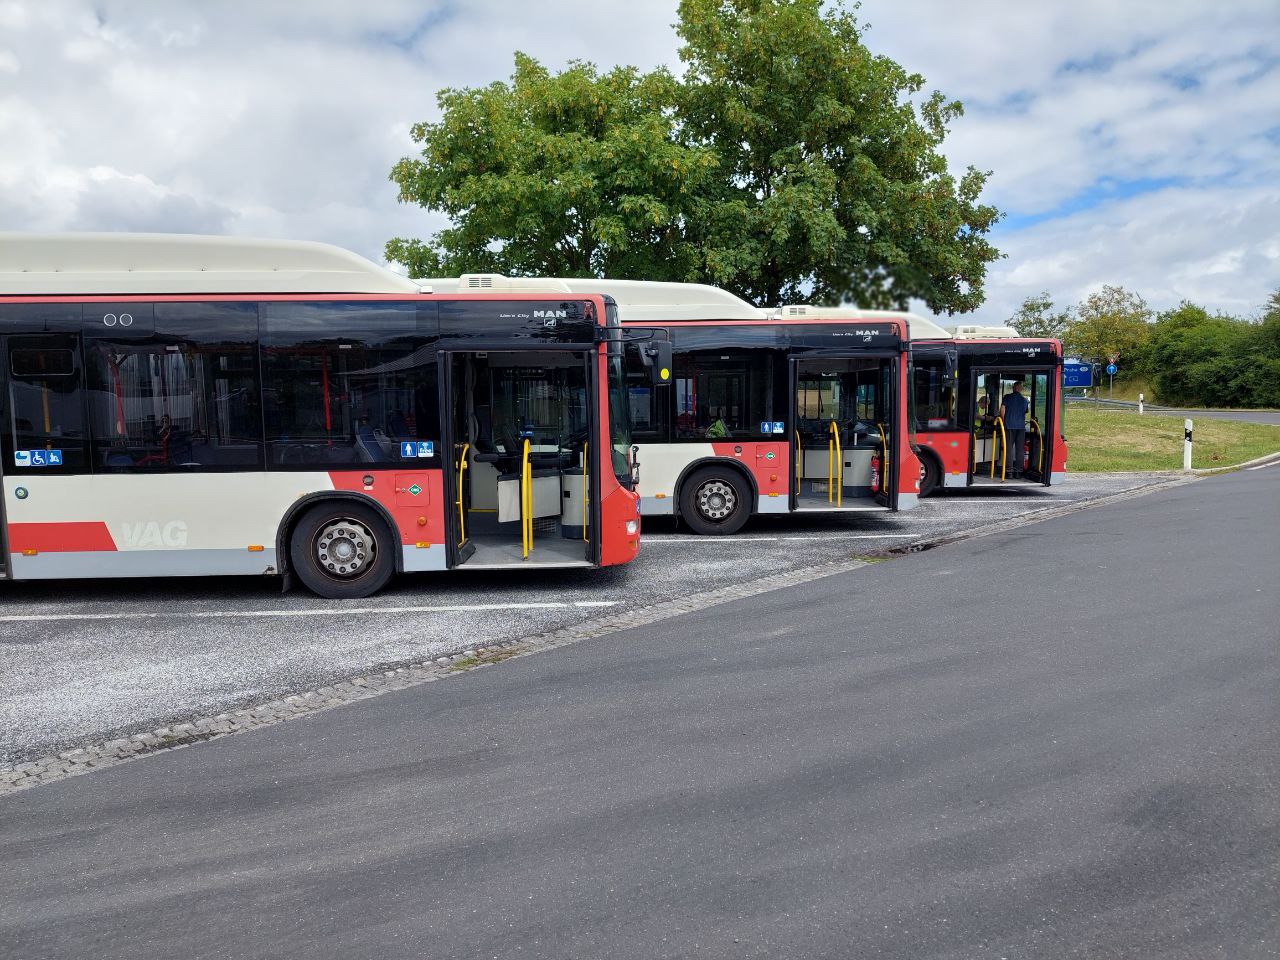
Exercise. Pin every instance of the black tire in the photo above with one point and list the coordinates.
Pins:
(715, 501)
(342, 550)
(930, 473)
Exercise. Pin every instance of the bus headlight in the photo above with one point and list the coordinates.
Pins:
(633, 527)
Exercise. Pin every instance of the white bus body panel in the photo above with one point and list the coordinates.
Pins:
(168, 524)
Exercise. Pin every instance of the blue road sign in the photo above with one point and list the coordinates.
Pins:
(1077, 375)
(1112, 369)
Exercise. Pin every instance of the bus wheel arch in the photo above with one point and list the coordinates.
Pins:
(313, 525)
(724, 485)
(930, 471)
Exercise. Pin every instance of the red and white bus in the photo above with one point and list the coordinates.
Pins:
(771, 411)
(960, 384)
(174, 405)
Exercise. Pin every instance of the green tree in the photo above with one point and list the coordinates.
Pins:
(790, 164)
(569, 174)
(1187, 351)
(1218, 361)
(830, 184)
(1111, 323)
(1036, 318)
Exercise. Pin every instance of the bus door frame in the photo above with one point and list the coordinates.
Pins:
(1053, 371)
(590, 355)
(893, 360)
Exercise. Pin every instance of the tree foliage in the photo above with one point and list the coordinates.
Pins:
(1218, 361)
(569, 174)
(830, 175)
(1037, 318)
(790, 163)
(1110, 323)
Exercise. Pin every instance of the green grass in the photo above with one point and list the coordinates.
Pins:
(1108, 440)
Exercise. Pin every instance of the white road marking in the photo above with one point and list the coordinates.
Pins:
(319, 612)
(986, 500)
(1263, 466)
(652, 539)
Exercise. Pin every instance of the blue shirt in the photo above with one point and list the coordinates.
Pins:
(1015, 411)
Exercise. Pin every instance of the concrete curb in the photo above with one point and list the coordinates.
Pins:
(80, 760)
(1256, 461)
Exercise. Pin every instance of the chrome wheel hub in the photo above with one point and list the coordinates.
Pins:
(345, 548)
(716, 500)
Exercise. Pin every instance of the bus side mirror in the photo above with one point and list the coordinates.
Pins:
(657, 357)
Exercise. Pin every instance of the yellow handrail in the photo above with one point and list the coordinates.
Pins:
(884, 467)
(462, 514)
(585, 447)
(1035, 429)
(1003, 447)
(835, 458)
(526, 503)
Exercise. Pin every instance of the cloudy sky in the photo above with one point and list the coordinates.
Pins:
(1133, 143)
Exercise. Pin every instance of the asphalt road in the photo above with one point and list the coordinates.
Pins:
(114, 657)
(989, 749)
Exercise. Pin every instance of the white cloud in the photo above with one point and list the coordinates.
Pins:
(245, 117)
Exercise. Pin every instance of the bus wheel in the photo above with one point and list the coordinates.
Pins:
(342, 550)
(715, 501)
(930, 474)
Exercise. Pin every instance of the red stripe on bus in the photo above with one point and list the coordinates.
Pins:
(60, 537)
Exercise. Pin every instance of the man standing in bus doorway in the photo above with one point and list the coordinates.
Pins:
(1013, 411)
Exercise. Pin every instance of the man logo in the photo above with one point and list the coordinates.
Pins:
(150, 533)
(550, 318)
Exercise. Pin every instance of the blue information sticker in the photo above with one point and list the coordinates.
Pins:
(426, 448)
(779, 427)
(766, 426)
(44, 458)
(408, 448)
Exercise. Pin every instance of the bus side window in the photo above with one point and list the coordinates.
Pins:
(934, 394)
(184, 398)
(45, 416)
(723, 394)
(349, 384)
(648, 408)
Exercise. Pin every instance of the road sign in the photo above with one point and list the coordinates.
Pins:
(1112, 369)
(1077, 375)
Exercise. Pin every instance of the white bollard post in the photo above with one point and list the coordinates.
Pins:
(1186, 445)
(1139, 404)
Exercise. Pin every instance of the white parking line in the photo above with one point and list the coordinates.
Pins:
(659, 539)
(986, 500)
(318, 612)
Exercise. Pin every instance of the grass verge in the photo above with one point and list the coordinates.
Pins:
(1109, 440)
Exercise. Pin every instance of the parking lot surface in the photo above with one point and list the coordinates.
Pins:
(83, 661)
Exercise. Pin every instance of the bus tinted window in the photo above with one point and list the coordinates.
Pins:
(348, 384)
(45, 415)
(934, 394)
(184, 399)
(42, 363)
(720, 395)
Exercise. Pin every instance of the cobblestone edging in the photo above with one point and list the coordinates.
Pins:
(76, 761)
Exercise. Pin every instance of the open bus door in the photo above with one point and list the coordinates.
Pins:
(519, 475)
(992, 459)
(844, 429)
